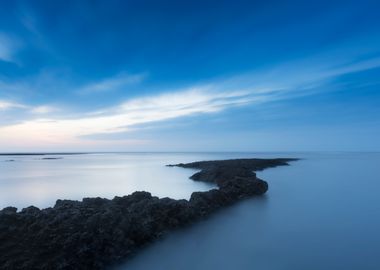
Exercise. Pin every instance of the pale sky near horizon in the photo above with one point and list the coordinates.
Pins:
(189, 76)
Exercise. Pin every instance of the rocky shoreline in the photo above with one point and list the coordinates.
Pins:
(95, 233)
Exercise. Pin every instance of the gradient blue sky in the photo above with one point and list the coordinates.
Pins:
(189, 75)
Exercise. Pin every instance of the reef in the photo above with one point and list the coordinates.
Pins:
(96, 233)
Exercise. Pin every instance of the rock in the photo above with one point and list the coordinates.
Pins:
(95, 233)
(31, 210)
(9, 210)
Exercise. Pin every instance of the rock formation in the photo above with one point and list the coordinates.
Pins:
(95, 233)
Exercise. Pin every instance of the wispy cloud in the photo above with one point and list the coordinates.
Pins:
(121, 118)
(282, 82)
(7, 105)
(8, 48)
(114, 83)
(43, 109)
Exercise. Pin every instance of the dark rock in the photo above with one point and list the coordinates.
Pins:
(9, 210)
(31, 210)
(95, 232)
(51, 158)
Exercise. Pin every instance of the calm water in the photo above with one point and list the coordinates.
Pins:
(30, 180)
(322, 212)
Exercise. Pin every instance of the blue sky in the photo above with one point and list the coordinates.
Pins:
(189, 75)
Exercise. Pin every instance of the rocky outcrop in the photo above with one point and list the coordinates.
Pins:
(225, 170)
(95, 232)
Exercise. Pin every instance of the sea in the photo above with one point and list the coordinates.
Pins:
(321, 212)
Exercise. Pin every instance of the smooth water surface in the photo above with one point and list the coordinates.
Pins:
(35, 180)
(322, 212)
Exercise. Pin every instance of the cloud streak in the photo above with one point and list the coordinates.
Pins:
(284, 82)
(44, 109)
(121, 118)
(11, 107)
(8, 105)
(110, 84)
(8, 48)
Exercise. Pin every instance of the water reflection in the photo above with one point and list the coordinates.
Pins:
(321, 213)
(29, 180)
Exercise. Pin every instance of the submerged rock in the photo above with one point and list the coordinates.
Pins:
(95, 233)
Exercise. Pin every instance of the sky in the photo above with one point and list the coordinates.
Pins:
(189, 75)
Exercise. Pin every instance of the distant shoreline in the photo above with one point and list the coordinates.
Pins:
(41, 154)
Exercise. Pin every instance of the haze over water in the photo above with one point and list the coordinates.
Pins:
(35, 180)
(136, 85)
(322, 212)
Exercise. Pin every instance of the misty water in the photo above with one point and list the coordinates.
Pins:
(322, 212)
(40, 180)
